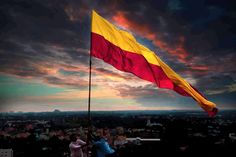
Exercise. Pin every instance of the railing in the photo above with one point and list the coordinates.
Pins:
(143, 139)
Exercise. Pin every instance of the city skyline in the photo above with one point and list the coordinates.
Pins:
(45, 51)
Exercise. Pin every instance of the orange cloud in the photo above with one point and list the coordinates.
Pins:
(145, 31)
(46, 69)
(80, 68)
(201, 68)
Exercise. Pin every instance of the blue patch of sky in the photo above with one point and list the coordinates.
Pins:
(11, 86)
(146, 42)
(68, 73)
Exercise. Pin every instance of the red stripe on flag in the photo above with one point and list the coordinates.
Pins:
(131, 62)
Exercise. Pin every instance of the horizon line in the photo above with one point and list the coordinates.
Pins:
(58, 111)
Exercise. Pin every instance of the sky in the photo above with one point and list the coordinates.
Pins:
(44, 54)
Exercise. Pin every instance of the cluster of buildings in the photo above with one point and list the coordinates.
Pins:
(183, 134)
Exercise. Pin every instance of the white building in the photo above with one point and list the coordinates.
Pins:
(6, 153)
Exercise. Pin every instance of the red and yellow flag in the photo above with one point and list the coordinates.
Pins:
(120, 49)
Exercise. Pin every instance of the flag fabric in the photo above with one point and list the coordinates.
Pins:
(120, 49)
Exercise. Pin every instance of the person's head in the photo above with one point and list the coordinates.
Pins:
(106, 131)
(120, 130)
(97, 138)
(99, 132)
(78, 135)
(73, 137)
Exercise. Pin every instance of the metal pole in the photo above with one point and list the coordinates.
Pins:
(89, 102)
(89, 94)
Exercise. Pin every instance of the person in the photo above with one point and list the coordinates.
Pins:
(101, 146)
(107, 136)
(120, 140)
(76, 145)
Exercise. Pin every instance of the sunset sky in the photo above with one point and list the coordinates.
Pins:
(44, 54)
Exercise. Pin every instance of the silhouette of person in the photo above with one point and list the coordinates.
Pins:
(76, 146)
(102, 147)
(120, 139)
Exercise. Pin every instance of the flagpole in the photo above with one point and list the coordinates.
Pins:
(89, 102)
(89, 95)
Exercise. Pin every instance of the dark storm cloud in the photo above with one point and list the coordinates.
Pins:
(218, 84)
(32, 57)
(152, 96)
(136, 92)
(38, 39)
(39, 21)
(66, 82)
